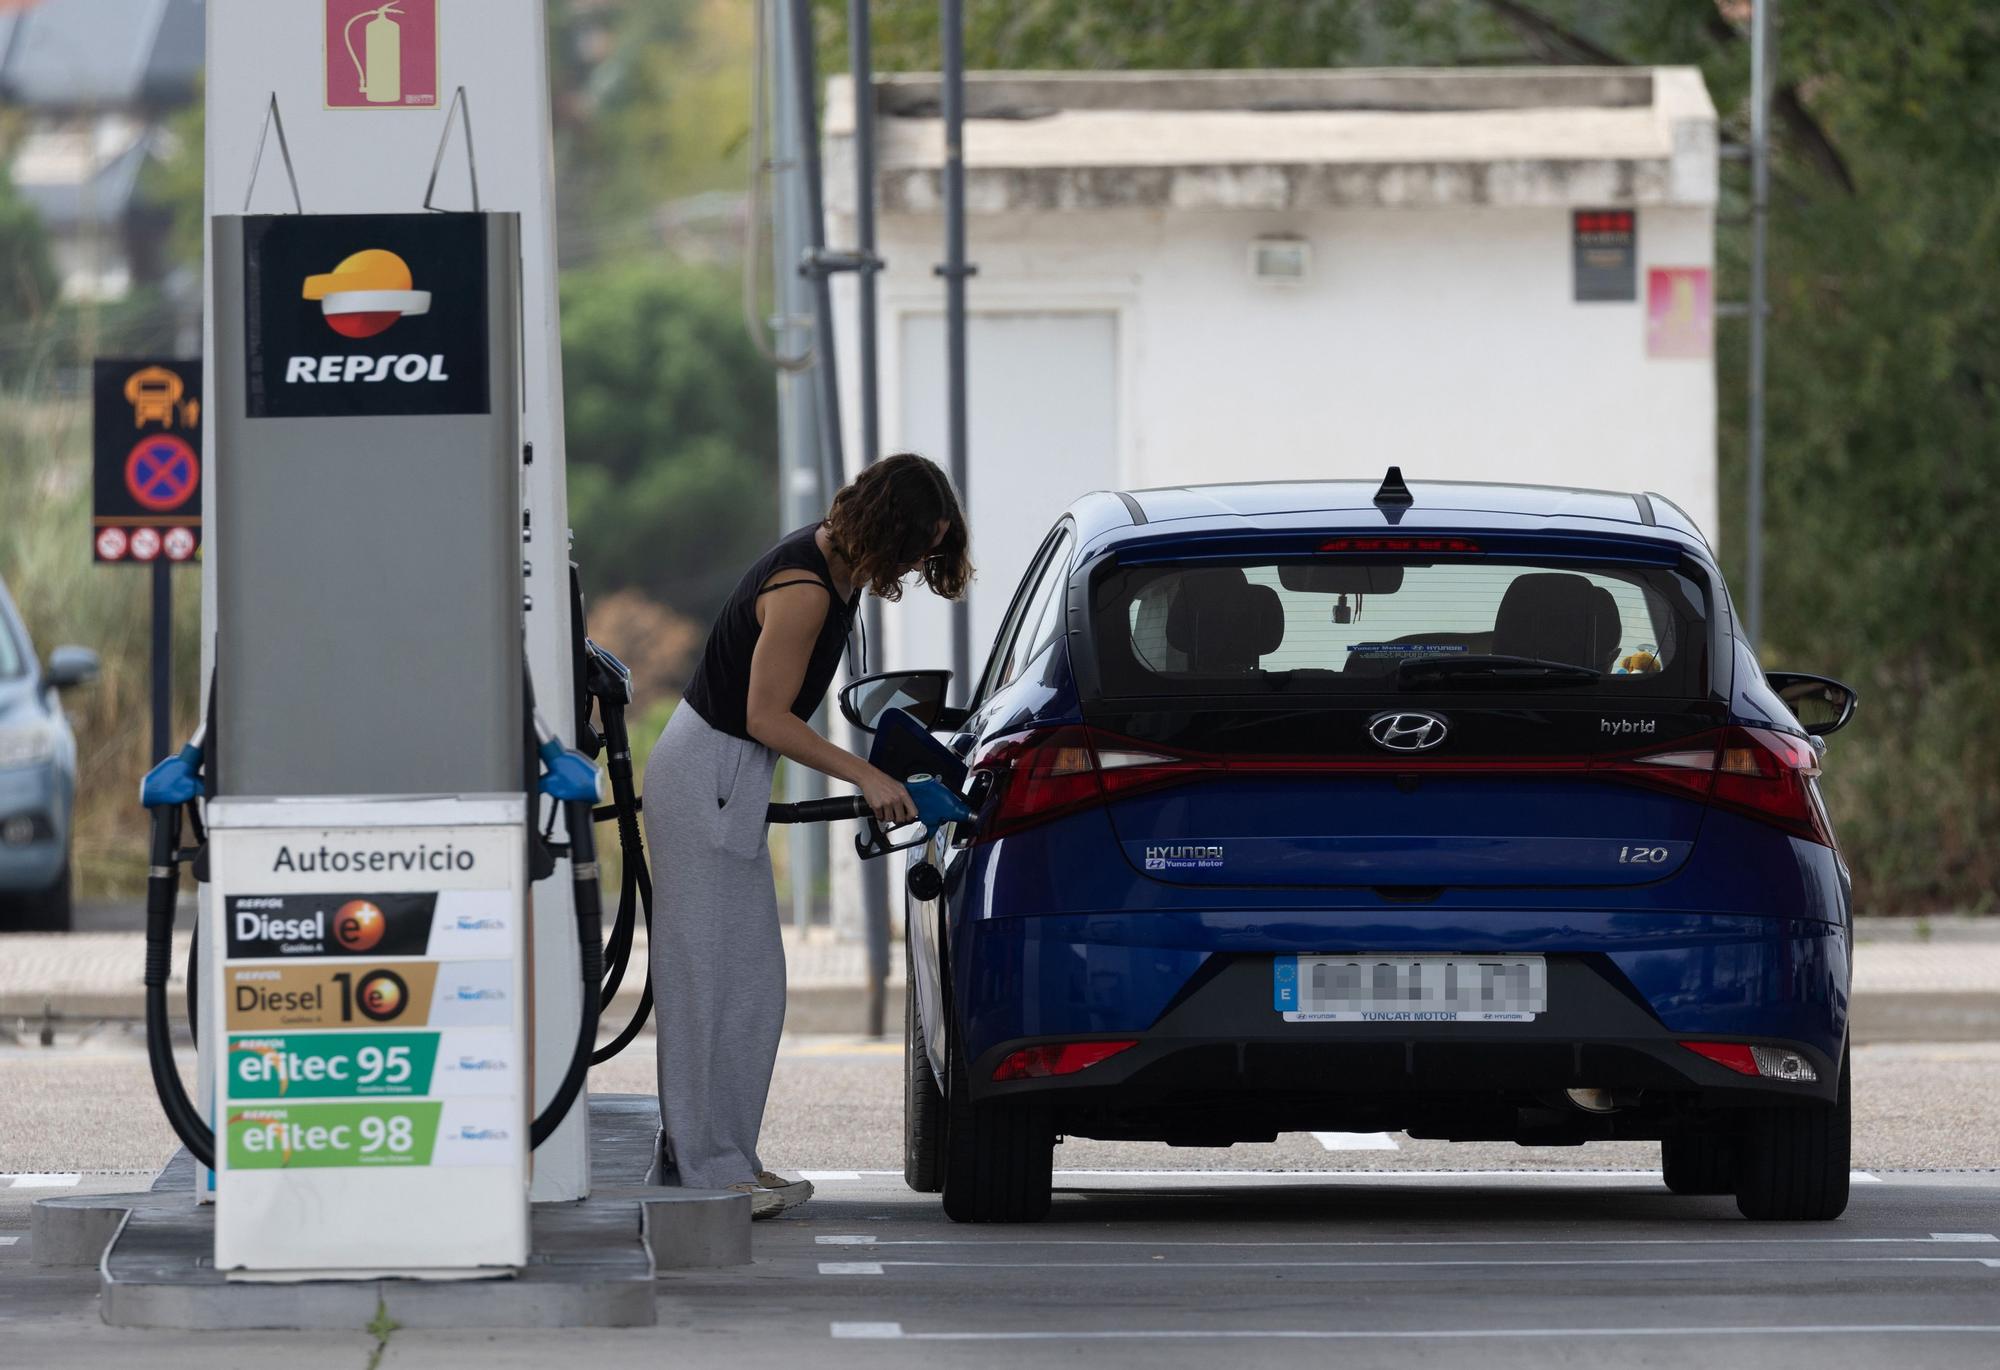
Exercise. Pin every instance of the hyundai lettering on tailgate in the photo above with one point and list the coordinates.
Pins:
(1410, 989)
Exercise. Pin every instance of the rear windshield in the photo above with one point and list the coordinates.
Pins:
(1242, 627)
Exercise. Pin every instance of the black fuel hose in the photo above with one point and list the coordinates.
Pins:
(162, 889)
(590, 943)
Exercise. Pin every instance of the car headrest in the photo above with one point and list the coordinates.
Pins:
(1223, 622)
(1556, 616)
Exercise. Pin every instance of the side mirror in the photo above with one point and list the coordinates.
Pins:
(1823, 705)
(70, 667)
(920, 694)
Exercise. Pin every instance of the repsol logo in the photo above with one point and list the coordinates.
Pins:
(410, 368)
(1628, 727)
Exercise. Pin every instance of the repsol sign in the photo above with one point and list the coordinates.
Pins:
(365, 314)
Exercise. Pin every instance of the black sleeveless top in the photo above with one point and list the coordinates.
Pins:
(720, 690)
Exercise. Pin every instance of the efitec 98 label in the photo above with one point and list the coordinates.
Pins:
(311, 1136)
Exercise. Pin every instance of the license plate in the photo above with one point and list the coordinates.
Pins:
(1410, 989)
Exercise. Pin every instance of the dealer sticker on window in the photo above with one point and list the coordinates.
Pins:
(1410, 989)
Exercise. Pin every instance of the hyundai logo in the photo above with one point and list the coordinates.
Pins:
(1408, 730)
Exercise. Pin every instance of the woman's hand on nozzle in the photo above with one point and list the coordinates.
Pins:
(888, 799)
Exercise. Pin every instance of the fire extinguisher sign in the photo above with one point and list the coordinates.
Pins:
(381, 54)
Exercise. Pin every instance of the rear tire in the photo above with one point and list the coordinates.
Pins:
(923, 1101)
(1794, 1161)
(1699, 1165)
(49, 910)
(999, 1156)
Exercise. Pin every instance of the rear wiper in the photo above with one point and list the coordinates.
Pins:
(1492, 670)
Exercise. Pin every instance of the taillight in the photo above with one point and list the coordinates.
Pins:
(1049, 773)
(1752, 771)
(1037, 776)
(1056, 1058)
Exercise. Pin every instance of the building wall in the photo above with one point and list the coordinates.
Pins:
(1445, 341)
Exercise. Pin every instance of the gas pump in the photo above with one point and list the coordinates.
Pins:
(399, 973)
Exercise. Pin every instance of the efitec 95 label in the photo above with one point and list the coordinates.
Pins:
(324, 1065)
(342, 1065)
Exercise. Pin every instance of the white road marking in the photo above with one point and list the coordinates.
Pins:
(1964, 1237)
(42, 1181)
(1356, 1141)
(9, 1240)
(868, 1331)
(893, 1331)
(1158, 1263)
(850, 1268)
(1375, 1176)
(1336, 1244)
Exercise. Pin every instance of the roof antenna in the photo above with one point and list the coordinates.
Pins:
(1393, 490)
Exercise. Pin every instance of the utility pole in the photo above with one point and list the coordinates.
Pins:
(955, 271)
(861, 73)
(801, 473)
(1762, 52)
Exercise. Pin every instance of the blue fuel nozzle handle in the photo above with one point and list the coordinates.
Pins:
(937, 804)
(175, 781)
(568, 774)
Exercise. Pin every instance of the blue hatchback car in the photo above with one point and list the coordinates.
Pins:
(37, 777)
(1455, 809)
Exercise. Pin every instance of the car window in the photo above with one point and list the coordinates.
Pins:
(1031, 628)
(1260, 624)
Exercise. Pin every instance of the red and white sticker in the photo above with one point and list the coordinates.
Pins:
(179, 544)
(145, 544)
(111, 544)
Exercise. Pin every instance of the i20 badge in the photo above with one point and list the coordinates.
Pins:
(1408, 730)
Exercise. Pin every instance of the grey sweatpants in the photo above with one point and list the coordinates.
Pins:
(718, 959)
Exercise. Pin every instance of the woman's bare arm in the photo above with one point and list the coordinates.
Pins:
(792, 617)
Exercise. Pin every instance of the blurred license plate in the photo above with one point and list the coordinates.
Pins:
(1410, 989)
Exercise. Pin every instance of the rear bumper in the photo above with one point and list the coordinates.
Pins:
(1624, 992)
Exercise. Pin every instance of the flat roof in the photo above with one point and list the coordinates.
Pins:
(1286, 140)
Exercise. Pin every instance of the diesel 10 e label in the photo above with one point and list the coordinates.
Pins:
(358, 994)
(345, 1065)
(451, 923)
(374, 1132)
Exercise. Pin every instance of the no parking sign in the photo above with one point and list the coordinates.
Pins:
(146, 476)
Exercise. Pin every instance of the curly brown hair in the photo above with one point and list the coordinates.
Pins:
(884, 523)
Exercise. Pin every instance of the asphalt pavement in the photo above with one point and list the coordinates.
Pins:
(1368, 1249)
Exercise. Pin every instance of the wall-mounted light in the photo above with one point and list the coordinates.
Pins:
(1285, 260)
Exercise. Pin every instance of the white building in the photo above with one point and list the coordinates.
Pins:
(1416, 235)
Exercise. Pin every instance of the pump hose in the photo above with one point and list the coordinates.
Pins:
(162, 888)
(590, 941)
(635, 895)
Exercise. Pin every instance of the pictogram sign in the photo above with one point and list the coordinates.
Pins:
(147, 460)
(381, 54)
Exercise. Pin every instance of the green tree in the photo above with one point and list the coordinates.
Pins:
(672, 432)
